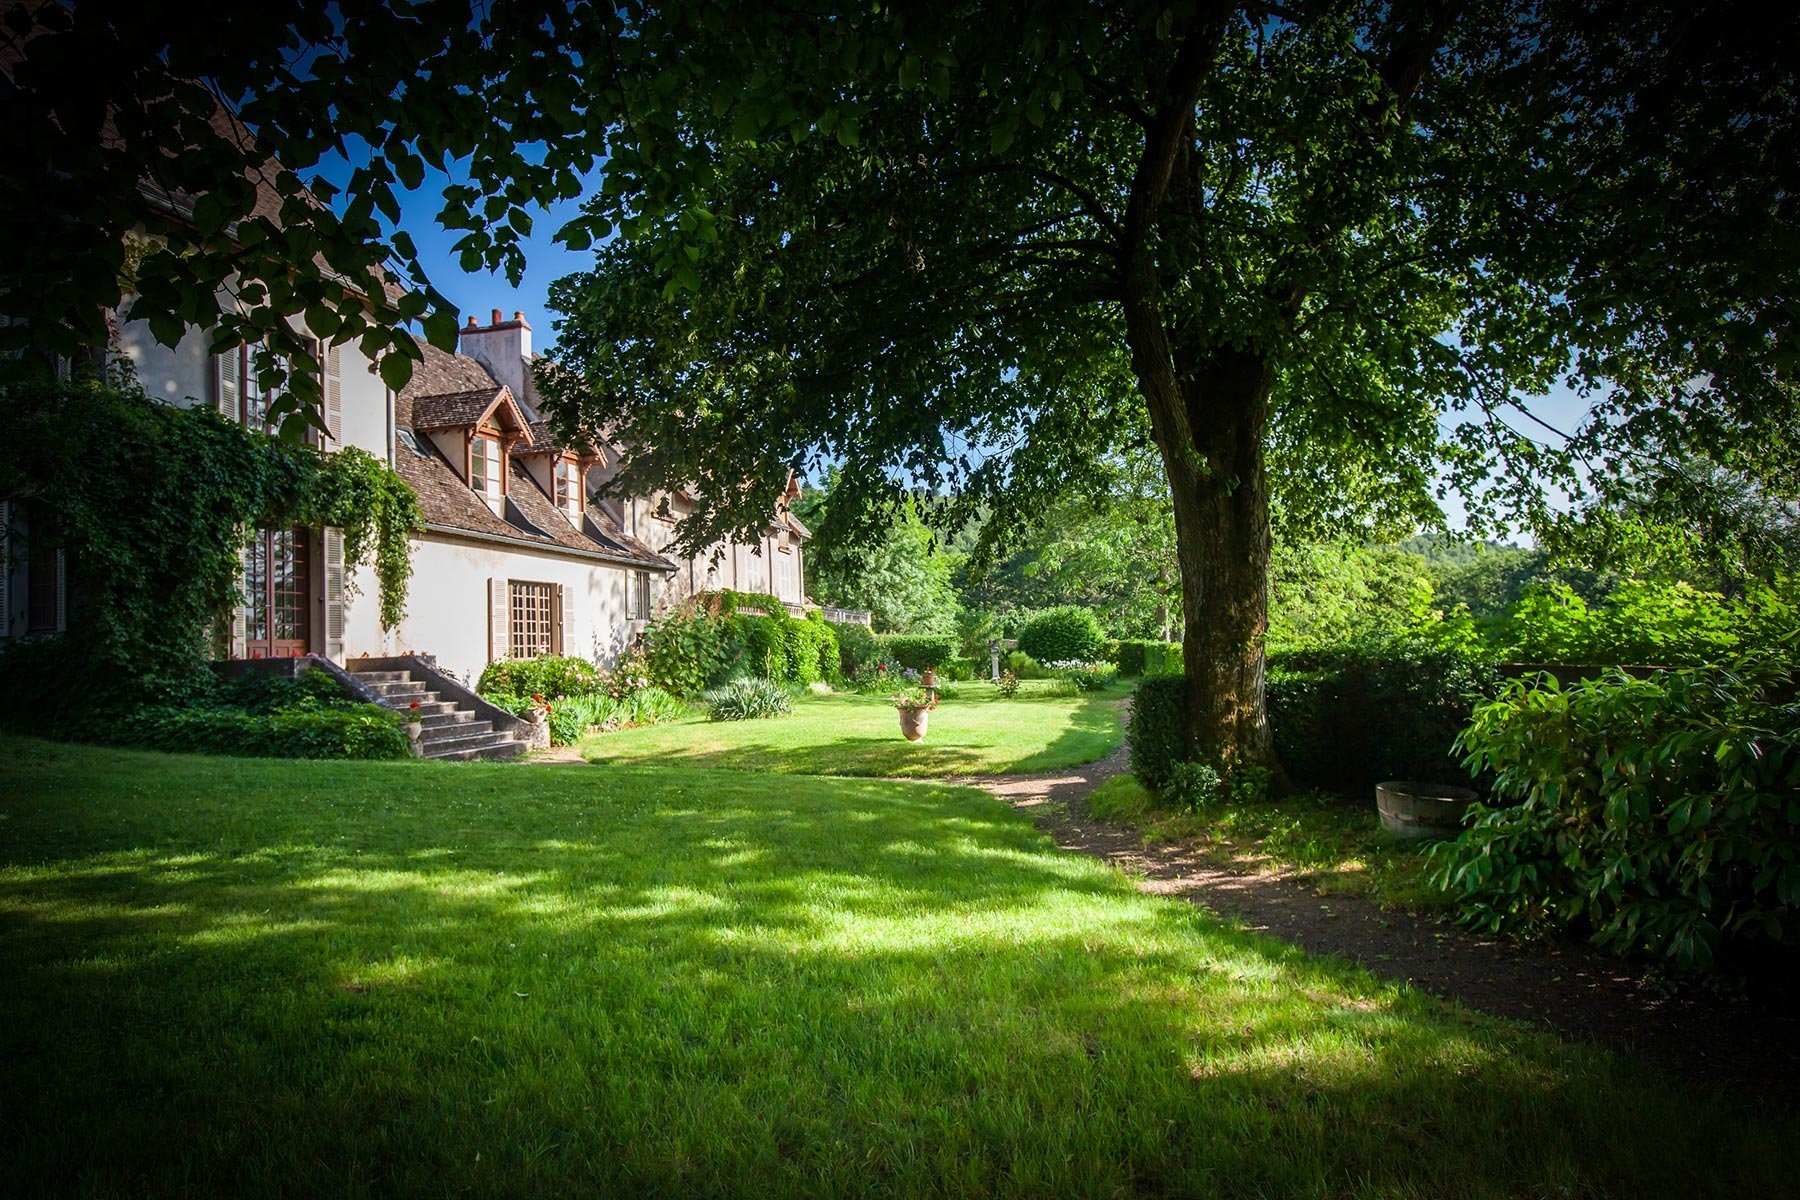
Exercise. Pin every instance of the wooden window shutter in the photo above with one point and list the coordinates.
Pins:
(334, 595)
(240, 612)
(565, 619)
(6, 569)
(231, 382)
(62, 591)
(333, 363)
(499, 619)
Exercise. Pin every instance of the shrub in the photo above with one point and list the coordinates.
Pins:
(1063, 634)
(857, 645)
(550, 675)
(880, 674)
(1659, 813)
(683, 649)
(568, 720)
(1025, 666)
(1008, 683)
(1191, 786)
(304, 729)
(748, 698)
(921, 652)
(1348, 718)
(1157, 729)
(957, 670)
(572, 716)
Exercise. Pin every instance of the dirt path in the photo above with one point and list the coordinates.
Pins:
(1748, 1042)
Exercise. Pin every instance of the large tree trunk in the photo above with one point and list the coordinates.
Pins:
(1210, 419)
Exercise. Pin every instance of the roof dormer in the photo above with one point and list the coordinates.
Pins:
(477, 429)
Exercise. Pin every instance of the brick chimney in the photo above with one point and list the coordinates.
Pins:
(504, 348)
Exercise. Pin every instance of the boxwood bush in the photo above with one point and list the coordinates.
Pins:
(1156, 730)
(1067, 633)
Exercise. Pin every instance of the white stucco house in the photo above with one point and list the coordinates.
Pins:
(517, 557)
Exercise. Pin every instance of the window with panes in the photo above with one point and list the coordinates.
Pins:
(640, 596)
(484, 468)
(533, 619)
(568, 488)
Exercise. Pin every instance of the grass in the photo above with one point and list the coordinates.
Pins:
(977, 732)
(252, 977)
(1335, 843)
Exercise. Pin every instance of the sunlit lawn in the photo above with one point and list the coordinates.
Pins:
(977, 731)
(229, 977)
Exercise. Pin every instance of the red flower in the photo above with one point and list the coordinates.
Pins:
(537, 697)
(881, 666)
(415, 704)
(548, 710)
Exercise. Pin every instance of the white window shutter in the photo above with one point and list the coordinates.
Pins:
(334, 595)
(333, 362)
(240, 612)
(231, 382)
(565, 618)
(499, 620)
(62, 591)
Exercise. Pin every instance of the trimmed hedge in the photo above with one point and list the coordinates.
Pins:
(1069, 633)
(306, 729)
(1136, 657)
(1347, 718)
(921, 652)
(1163, 658)
(857, 646)
(1156, 731)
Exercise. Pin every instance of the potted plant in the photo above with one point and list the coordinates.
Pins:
(915, 708)
(415, 730)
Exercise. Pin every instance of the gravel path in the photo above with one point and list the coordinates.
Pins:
(1748, 1042)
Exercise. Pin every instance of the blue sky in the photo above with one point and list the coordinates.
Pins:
(478, 294)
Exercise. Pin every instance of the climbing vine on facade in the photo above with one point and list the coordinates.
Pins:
(151, 506)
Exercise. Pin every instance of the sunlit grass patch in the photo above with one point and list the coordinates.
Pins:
(254, 978)
(974, 732)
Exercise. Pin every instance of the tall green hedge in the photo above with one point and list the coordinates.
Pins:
(921, 652)
(701, 645)
(1347, 718)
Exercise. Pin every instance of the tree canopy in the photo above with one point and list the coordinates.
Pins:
(1291, 246)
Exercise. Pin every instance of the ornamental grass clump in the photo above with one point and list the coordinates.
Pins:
(748, 698)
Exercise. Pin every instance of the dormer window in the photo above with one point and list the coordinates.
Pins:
(485, 469)
(569, 496)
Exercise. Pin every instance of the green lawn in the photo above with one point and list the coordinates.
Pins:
(976, 732)
(238, 977)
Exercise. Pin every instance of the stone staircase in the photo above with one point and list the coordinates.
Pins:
(451, 730)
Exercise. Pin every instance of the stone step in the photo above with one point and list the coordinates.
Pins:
(405, 699)
(392, 687)
(437, 735)
(381, 676)
(489, 746)
(444, 713)
(428, 708)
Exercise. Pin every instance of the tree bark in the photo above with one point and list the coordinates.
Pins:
(1210, 423)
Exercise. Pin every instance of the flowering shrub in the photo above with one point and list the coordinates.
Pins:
(1008, 683)
(1086, 676)
(878, 675)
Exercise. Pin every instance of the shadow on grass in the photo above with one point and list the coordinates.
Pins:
(257, 978)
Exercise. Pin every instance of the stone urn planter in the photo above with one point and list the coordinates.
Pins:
(913, 723)
(415, 735)
(1417, 811)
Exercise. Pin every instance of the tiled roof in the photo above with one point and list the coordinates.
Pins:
(453, 408)
(441, 374)
(449, 505)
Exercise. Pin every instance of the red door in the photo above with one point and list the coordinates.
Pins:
(279, 602)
